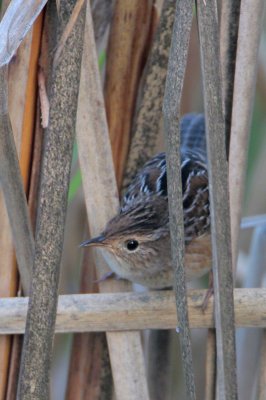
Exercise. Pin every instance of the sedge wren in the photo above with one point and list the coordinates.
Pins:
(137, 239)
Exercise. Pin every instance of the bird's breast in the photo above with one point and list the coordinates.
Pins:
(198, 257)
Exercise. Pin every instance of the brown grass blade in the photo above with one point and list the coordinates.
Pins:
(125, 58)
(101, 203)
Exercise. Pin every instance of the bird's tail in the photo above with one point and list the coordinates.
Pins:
(193, 133)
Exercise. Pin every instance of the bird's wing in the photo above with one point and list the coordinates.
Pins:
(195, 195)
(149, 181)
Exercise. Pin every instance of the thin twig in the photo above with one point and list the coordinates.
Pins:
(219, 201)
(171, 107)
(126, 311)
(252, 222)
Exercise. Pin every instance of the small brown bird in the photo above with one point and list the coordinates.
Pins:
(138, 238)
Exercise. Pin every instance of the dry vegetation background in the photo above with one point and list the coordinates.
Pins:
(24, 99)
(254, 203)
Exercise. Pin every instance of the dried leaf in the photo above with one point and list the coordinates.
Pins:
(16, 23)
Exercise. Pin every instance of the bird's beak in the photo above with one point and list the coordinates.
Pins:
(97, 241)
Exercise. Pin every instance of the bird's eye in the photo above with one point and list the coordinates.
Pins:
(132, 244)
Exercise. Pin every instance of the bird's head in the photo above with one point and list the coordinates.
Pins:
(133, 235)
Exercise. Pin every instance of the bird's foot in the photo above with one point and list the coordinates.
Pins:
(207, 297)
